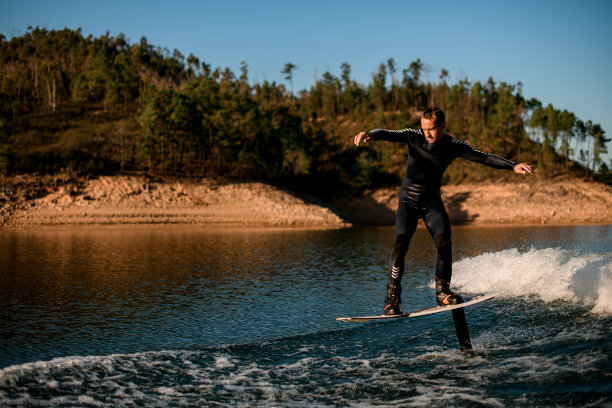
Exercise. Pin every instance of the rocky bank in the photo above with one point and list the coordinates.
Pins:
(29, 201)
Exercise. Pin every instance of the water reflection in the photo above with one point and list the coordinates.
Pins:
(126, 289)
(129, 289)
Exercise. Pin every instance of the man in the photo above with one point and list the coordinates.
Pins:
(430, 153)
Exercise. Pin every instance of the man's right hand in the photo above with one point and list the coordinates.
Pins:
(362, 136)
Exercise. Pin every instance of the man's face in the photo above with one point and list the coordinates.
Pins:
(433, 132)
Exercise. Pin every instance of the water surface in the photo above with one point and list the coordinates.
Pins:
(166, 316)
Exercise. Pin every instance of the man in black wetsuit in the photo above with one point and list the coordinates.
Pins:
(430, 153)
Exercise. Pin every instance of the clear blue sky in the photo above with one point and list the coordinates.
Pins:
(561, 51)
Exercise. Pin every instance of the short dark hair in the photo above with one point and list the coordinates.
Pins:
(435, 112)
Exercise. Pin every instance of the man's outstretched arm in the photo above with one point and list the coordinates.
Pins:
(491, 160)
(401, 136)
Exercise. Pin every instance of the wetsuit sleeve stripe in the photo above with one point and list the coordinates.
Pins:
(491, 160)
(401, 135)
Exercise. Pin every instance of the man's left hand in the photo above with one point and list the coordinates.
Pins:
(523, 168)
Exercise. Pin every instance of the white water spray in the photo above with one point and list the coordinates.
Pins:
(550, 274)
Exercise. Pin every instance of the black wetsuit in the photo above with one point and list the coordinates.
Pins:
(420, 193)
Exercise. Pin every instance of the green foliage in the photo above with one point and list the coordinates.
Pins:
(5, 147)
(105, 105)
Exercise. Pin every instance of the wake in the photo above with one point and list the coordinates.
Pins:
(550, 274)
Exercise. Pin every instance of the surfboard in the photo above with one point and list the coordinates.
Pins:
(417, 313)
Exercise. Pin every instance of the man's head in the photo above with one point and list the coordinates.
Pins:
(433, 123)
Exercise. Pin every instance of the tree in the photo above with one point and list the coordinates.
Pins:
(346, 74)
(288, 72)
(193, 63)
(394, 84)
(378, 88)
(599, 144)
(415, 68)
(567, 121)
(443, 75)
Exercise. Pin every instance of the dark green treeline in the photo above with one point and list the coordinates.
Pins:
(104, 105)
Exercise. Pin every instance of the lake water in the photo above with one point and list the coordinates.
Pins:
(169, 316)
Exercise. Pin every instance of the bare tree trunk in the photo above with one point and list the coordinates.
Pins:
(53, 106)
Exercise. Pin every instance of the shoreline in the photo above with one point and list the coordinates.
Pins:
(31, 202)
(235, 229)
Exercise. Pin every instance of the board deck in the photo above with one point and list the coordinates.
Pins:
(417, 313)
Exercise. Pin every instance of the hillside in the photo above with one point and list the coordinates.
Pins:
(107, 106)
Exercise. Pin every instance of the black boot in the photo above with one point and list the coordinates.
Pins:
(444, 295)
(393, 300)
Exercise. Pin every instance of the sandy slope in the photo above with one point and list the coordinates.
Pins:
(140, 200)
(137, 199)
(559, 202)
